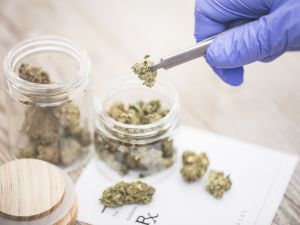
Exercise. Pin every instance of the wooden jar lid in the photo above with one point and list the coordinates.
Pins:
(30, 189)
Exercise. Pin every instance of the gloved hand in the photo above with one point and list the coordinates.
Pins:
(266, 29)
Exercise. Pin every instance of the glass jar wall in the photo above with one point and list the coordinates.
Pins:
(47, 98)
(131, 147)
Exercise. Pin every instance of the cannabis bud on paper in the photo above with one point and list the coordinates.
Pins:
(217, 183)
(54, 133)
(194, 165)
(142, 69)
(127, 193)
(122, 153)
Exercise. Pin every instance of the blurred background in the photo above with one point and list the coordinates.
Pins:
(117, 33)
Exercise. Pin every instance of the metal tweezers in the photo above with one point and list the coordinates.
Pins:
(183, 56)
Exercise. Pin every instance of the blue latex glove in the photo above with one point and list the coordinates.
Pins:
(267, 29)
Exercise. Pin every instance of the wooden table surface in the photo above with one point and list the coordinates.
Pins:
(116, 33)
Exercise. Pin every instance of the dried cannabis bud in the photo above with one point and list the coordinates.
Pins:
(145, 158)
(52, 131)
(69, 117)
(34, 74)
(167, 148)
(124, 156)
(142, 69)
(113, 162)
(127, 193)
(41, 125)
(49, 153)
(217, 183)
(70, 148)
(138, 113)
(194, 165)
(28, 151)
(84, 138)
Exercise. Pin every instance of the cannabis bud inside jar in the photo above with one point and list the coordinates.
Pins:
(136, 136)
(47, 112)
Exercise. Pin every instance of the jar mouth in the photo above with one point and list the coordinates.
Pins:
(51, 44)
(144, 130)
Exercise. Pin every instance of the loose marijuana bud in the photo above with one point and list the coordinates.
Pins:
(127, 193)
(138, 113)
(34, 74)
(194, 165)
(217, 183)
(55, 134)
(142, 69)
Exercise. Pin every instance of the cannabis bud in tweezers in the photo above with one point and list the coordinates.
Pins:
(142, 69)
(217, 183)
(127, 193)
(194, 165)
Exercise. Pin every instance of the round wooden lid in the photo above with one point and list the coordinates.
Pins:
(29, 189)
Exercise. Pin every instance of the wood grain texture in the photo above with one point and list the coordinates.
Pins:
(33, 190)
(30, 189)
(116, 33)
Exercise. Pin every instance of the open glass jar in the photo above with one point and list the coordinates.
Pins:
(47, 81)
(138, 150)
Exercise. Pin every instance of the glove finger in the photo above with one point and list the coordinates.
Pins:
(245, 44)
(225, 11)
(206, 27)
(213, 16)
(233, 76)
(238, 22)
(272, 57)
(258, 40)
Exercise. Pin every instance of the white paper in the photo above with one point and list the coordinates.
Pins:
(259, 176)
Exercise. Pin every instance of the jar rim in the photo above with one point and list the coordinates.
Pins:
(173, 111)
(75, 51)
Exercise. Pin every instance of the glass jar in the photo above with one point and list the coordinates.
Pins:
(136, 150)
(47, 99)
